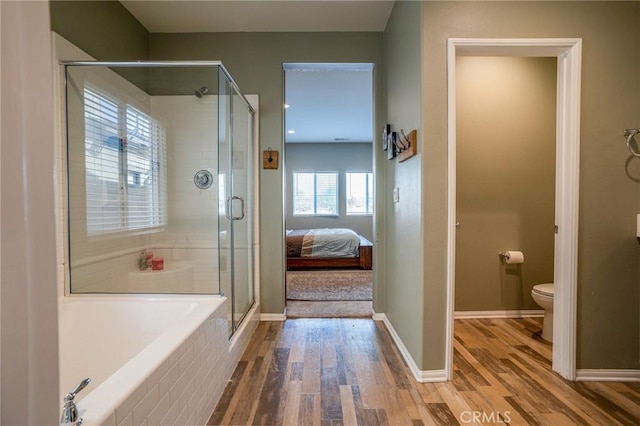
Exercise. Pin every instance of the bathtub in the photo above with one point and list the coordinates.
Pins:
(159, 360)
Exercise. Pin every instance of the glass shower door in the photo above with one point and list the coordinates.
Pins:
(242, 202)
(225, 191)
(236, 221)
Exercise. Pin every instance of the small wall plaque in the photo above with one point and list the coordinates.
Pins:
(270, 159)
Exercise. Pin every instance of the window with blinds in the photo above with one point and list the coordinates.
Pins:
(359, 193)
(315, 194)
(125, 166)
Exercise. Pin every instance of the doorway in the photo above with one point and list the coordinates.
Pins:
(506, 143)
(568, 54)
(328, 179)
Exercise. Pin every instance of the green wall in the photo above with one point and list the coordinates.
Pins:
(415, 60)
(401, 223)
(255, 62)
(608, 261)
(104, 29)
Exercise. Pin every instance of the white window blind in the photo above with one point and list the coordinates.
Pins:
(315, 194)
(103, 152)
(124, 162)
(146, 183)
(359, 193)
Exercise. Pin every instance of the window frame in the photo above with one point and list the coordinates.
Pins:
(369, 177)
(315, 213)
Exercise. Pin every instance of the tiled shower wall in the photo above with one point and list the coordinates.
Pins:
(103, 264)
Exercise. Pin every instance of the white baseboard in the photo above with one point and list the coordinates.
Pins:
(605, 375)
(273, 317)
(378, 317)
(533, 313)
(422, 376)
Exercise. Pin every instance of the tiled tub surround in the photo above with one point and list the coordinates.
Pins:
(189, 267)
(101, 262)
(159, 360)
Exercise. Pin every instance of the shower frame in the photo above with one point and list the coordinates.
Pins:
(234, 90)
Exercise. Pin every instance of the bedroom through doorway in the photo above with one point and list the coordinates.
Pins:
(328, 178)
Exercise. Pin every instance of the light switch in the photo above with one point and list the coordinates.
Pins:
(396, 195)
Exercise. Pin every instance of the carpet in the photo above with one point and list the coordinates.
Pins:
(330, 285)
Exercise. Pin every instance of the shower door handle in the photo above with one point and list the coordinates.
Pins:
(228, 209)
(237, 197)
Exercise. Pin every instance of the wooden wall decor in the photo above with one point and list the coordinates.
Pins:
(269, 159)
(412, 149)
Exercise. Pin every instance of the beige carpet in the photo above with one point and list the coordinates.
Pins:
(329, 294)
(330, 285)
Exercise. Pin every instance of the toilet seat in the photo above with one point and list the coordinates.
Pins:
(544, 289)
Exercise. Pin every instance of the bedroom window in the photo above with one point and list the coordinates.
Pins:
(124, 166)
(359, 193)
(315, 194)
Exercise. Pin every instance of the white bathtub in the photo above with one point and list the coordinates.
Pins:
(160, 360)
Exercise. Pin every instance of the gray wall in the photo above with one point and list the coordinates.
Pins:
(330, 157)
(255, 62)
(505, 176)
(608, 267)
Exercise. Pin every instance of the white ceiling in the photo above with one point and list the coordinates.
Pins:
(326, 106)
(187, 16)
(329, 103)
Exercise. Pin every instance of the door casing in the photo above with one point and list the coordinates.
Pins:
(569, 54)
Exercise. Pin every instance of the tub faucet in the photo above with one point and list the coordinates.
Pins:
(70, 411)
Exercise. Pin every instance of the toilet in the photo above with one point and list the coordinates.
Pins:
(543, 295)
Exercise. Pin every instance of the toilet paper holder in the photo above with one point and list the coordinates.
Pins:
(503, 255)
(512, 257)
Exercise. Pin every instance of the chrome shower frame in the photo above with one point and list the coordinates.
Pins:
(164, 63)
(236, 320)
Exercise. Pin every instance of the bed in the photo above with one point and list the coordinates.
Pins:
(327, 248)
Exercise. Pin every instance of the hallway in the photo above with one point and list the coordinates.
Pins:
(349, 371)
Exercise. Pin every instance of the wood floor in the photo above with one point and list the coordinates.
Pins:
(348, 372)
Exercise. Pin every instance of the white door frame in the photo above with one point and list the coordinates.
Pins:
(569, 54)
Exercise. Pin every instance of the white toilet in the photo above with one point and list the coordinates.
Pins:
(543, 295)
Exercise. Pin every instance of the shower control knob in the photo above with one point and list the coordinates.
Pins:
(203, 179)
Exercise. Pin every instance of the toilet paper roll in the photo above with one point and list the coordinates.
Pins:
(513, 257)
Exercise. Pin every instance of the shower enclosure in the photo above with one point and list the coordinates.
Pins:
(160, 161)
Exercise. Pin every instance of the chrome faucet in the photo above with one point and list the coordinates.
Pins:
(70, 411)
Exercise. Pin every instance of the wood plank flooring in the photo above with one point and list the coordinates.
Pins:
(331, 372)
